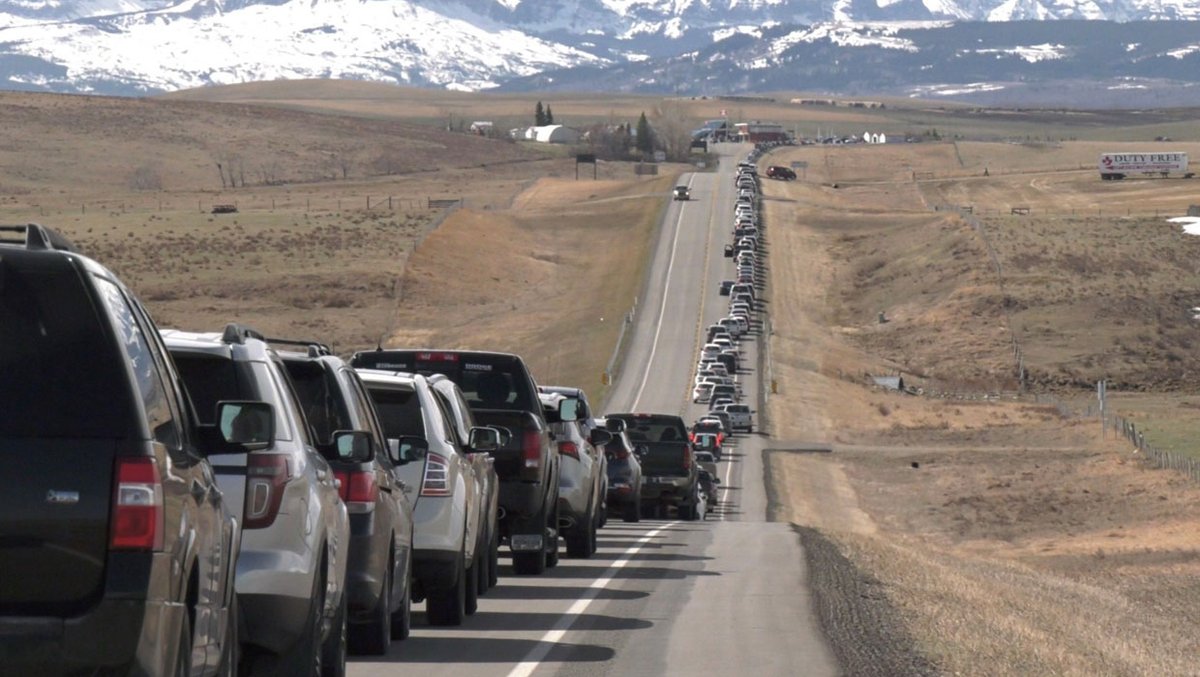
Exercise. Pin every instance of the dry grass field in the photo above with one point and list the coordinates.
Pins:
(1013, 540)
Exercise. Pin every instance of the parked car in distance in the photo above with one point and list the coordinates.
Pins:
(740, 416)
(348, 434)
(780, 173)
(285, 495)
(117, 549)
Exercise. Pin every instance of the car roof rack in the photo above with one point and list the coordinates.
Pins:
(238, 333)
(315, 348)
(36, 237)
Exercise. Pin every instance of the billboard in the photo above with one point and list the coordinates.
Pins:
(1142, 163)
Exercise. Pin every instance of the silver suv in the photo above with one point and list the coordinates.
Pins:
(291, 571)
(441, 485)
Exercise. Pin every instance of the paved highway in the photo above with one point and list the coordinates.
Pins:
(662, 597)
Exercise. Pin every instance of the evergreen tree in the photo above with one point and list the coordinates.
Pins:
(645, 138)
(539, 115)
(549, 115)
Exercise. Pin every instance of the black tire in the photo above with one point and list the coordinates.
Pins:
(471, 589)
(447, 606)
(494, 559)
(231, 649)
(632, 512)
(183, 656)
(483, 563)
(402, 617)
(529, 563)
(552, 552)
(333, 649)
(373, 637)
(577, 540)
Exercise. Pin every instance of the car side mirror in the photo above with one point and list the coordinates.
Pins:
(248, 425)
(568, 409)
(407, 449)
(600, 437)
(353, 445)
(504, 433)
(483, 440)
(615, 425)
(641, 450)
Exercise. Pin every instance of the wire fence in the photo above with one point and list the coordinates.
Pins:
(231, 203)
(1160, 458)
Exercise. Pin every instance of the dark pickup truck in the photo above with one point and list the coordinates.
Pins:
(501, 393)
(669, 472)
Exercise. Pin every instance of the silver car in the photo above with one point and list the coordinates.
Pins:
(580, 482)
(291, 570)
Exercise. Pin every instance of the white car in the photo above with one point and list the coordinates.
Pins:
(740, 416)
(732, 326)
(702, 392)
(440, 483)
(710, 350)
(580, 482)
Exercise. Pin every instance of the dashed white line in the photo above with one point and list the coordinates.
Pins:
(560, 629)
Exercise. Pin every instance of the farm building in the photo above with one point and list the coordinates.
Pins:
(758, 132)
(481, 127)
(549, 134)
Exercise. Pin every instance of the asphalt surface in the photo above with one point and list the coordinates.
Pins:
(726, 595)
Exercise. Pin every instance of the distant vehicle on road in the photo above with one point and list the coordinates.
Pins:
(780, 173)
(683, 193)
(670, 472)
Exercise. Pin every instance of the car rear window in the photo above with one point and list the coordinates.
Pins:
(399, 411)
(653, 428)
(487, 380)
(320, 398)
(61, 373)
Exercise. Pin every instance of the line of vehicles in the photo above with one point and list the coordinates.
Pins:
(231, 503)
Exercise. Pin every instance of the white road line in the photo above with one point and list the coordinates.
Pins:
(555, 634)
(661, 309)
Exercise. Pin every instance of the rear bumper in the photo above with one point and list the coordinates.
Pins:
(122, 636)
(621, 494)
(520, 502)
(669, 493)
(435, 569)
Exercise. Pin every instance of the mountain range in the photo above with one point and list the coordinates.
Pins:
(981, 49)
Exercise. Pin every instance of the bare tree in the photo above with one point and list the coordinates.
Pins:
(146, 177)
(673, 129)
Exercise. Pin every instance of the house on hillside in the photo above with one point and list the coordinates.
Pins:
(481, 127)
(550, 134)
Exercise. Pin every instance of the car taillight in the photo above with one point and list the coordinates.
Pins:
(359, 490)
(568, 449)
(687, 459)
(436, 481)
(137, 522)
(266, 477)
(621, 454)
(531, 448)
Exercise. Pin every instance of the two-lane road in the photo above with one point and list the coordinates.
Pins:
(723, 596)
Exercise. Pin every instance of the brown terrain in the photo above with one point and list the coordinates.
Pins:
(1012, 539)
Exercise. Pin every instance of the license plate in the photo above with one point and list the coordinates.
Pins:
(525, 542)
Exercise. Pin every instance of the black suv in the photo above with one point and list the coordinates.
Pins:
(347, 432)
(502, 394)
(117, 551)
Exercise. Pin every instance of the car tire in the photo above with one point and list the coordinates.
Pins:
(482, 566)
(373, 637)
(686, 511)
(308, 658)
(447, 606)
(183, 655)
(529, 563)
(494, 559)
(231, 649)
(577, 539)
(632, 512)
(333, 649)
(471, 587)
(552, 552)
(402, 617)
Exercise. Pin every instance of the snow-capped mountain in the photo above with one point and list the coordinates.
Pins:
(135, 46)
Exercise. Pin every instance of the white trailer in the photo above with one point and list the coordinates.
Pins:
(1115, 166)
